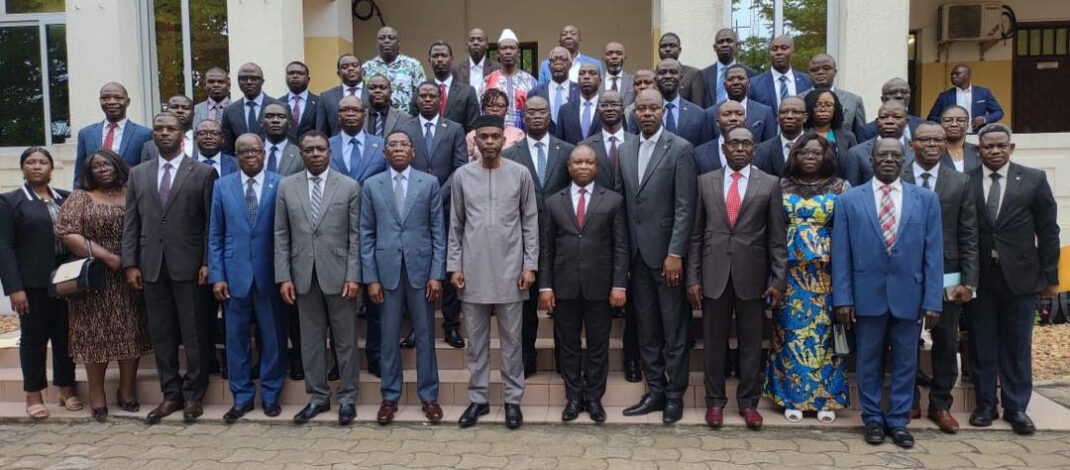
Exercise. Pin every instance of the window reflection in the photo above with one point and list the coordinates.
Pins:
(804, 20)
(35, 6)
(58, 95)
(22, 116)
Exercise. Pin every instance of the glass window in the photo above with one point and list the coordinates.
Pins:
(35, 6)
(804, 20)
(58, 95)
(22, 113)
(209, 39)
(171, 78)
(208, 45)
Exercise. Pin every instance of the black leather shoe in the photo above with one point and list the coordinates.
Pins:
(595, 410)
(297, 370)
(983, 417)
(453, 338)
(874, 433)
(375, 368)
(572, 410)
(901, 437)
(632, 372)
(674, 410)
(513, 416)
(410, 340)
(346, 414)
(310, 411)
(272, 410)
(648, 404)
(236, 412)
(1020, 422)
(332, 374)
(472, 413)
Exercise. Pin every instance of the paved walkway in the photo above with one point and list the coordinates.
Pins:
(125, 444)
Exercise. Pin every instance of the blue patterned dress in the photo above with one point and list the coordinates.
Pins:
(802, 372)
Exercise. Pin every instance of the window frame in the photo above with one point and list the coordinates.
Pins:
(42, 21)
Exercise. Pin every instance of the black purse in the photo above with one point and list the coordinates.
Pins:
(78, 276)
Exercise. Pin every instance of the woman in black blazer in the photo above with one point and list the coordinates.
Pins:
(29, 252)
(824, 117)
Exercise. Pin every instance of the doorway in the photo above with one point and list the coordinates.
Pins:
(1041, 101)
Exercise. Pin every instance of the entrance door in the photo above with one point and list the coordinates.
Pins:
(1041, 74)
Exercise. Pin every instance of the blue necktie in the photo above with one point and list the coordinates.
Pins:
(557, 101)
(670, 121)
(428, 138)
(722, 94)
(540, 162)
(585, 119)
(354, 155)
(783, 89)
(251, 122)
(273, 160)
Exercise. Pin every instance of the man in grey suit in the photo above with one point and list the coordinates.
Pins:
(281, 155)
(217, 84)
(823, 74)
(657, 179)
(304, 106)
(615, 78)
(403, 250)
(169, 262)
(546, 159)
(382, 119)
(958, 214)
(891, 124)
(737, 257)
(351, 72)
(243, 116)
(182, 107)
(317, 262)
(460, 103)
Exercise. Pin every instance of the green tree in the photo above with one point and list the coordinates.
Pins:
(804, 20)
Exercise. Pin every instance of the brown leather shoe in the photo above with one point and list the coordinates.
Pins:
(192, 411)
(915, 412)
(752, 417)
(432, 411)
(162, 411)
(944, 419)
(386, 412)
(714, 416)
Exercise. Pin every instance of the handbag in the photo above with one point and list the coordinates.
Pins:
(78, 276)
(839, 336)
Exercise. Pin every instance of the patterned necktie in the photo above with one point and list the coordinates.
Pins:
(722, 94)
(109, 139)
(733, 202)
(378, 126)
(165, 184)
(925, 180)
(352, 91)
(615, 80)
(297, 110)
(273, 160)
(250, 119)
(557, 101)
(428, 138)
(783, 88)
(250, 200)
(581, 207)
(354, 154)
(212, 110)
(585, 119)
(316, 198)
(670, 120)
(540, 162)
(887, 216)
(442, 97)
(993, 196)
(613, 153)
(399, 192)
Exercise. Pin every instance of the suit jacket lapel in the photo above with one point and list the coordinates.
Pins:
(909, 192)
(185, 167)
(329, 188)
(941, 178)
(660, 148)
(748, 194)
(265, 195)
(529, 160)
(151, 176)
(454, 95)
(126, 138)
(871, 213)
(386, 186)
(415, 180)
(437, 138)
(1014, 181)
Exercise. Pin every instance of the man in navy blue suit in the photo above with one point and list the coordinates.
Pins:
(780, 81)
(709, 156)
(116, 132)
(724, 44)
(578, 119)
(760, 118)
(682, 117)
(979, 101)
(887, 273)
(559, 90)
(241, 237)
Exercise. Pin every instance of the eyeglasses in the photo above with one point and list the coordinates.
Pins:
(398, 144)
(351, 111)
(743, 144)
(208, 133)
(824, 105)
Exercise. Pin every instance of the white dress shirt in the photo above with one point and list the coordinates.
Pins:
(790, 82)
(259, 100)
(448, 81)
(475, 72)
(117, 138)
(986, 183)
(347, 147)
(258, 183)
(594, 110)
(897, 199)
(608, 81)
(646, 151)
(918, 171)
(323, 184)
(434, 126)
(605, 139)
(720, 152)
(786, 144)
(586, 197)
(574, 70)
(556, 89)
(728, 172)
(964, 98)
(176, 163)
(188, 144)
(535, 152)
(960, 165)
(292, 99)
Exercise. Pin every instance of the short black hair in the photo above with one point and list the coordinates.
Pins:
(338, 63)
(954, 106)
(828, 157)
(669, 34)
(88, 182)
(736, 66)
(298, 62)
(398, 131)
(36, 149)
(427, 83)
(491, 94)
(994, 128)
(313, 133)
(439, 42)
(811, 105)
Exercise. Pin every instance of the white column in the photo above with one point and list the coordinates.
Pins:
(860, 25)
(269, 33)
(695, 21)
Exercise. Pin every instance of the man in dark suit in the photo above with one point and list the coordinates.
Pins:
(822, 68)
(1019, 249)
(690, 82)
(710, 155)
(962, 155)
(894, 89)
(657, 179)
(887, 271)
(281, 155)
(958, 215)
(182, 107)
(116, 132)
(546, 157)
(170, 263)
(559, 90)
(241, 248)
(474, 71)
(243, 116)
(440, 149)
(208, 145)
(724, 44)
(892, 124)
(979, 101)
(682, 117)
(615, 78)
(304, 106)
(382, 118)
(780, 81)
(351, 72)
(773, 153)
(578, 119)
(583, 229)
(737, 209)
(760, 119)
(460, 103)
(217, 86)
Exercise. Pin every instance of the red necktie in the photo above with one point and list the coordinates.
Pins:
(442, 98)
(297, 110)
(733, 201)
(581, 207)
(110, 138)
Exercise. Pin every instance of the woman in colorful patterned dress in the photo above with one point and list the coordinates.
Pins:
(803, 374)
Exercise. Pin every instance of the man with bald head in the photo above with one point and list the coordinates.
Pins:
(570, 39)
(578, 119)
(823, 74)
(773, 153)
(894, 89)
(405, 73)
(475, 70)
(615, 78)
(355, 153)
(979, 101)
(559, 89)
(780, 81)
(115, 132)
(243, 116)
(724, 44)
(691, 87)
(891, 124)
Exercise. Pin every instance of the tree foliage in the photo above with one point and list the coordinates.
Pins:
(805, 20)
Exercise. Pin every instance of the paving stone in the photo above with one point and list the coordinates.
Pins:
(72, 463)
(473, 461)
(803, 459)
(622, 464)
(579, 463)
(528, 462)
(690, 454)
(1052, 460)
(644, 454)
(991, 461)
(606, 452)
(246, 454)
(994, 446)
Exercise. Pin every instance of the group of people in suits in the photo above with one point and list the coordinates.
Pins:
(645, 195)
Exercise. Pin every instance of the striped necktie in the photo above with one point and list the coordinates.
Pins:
(887, 216)
(316, 197)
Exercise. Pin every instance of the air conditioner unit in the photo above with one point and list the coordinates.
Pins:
(969, 22)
